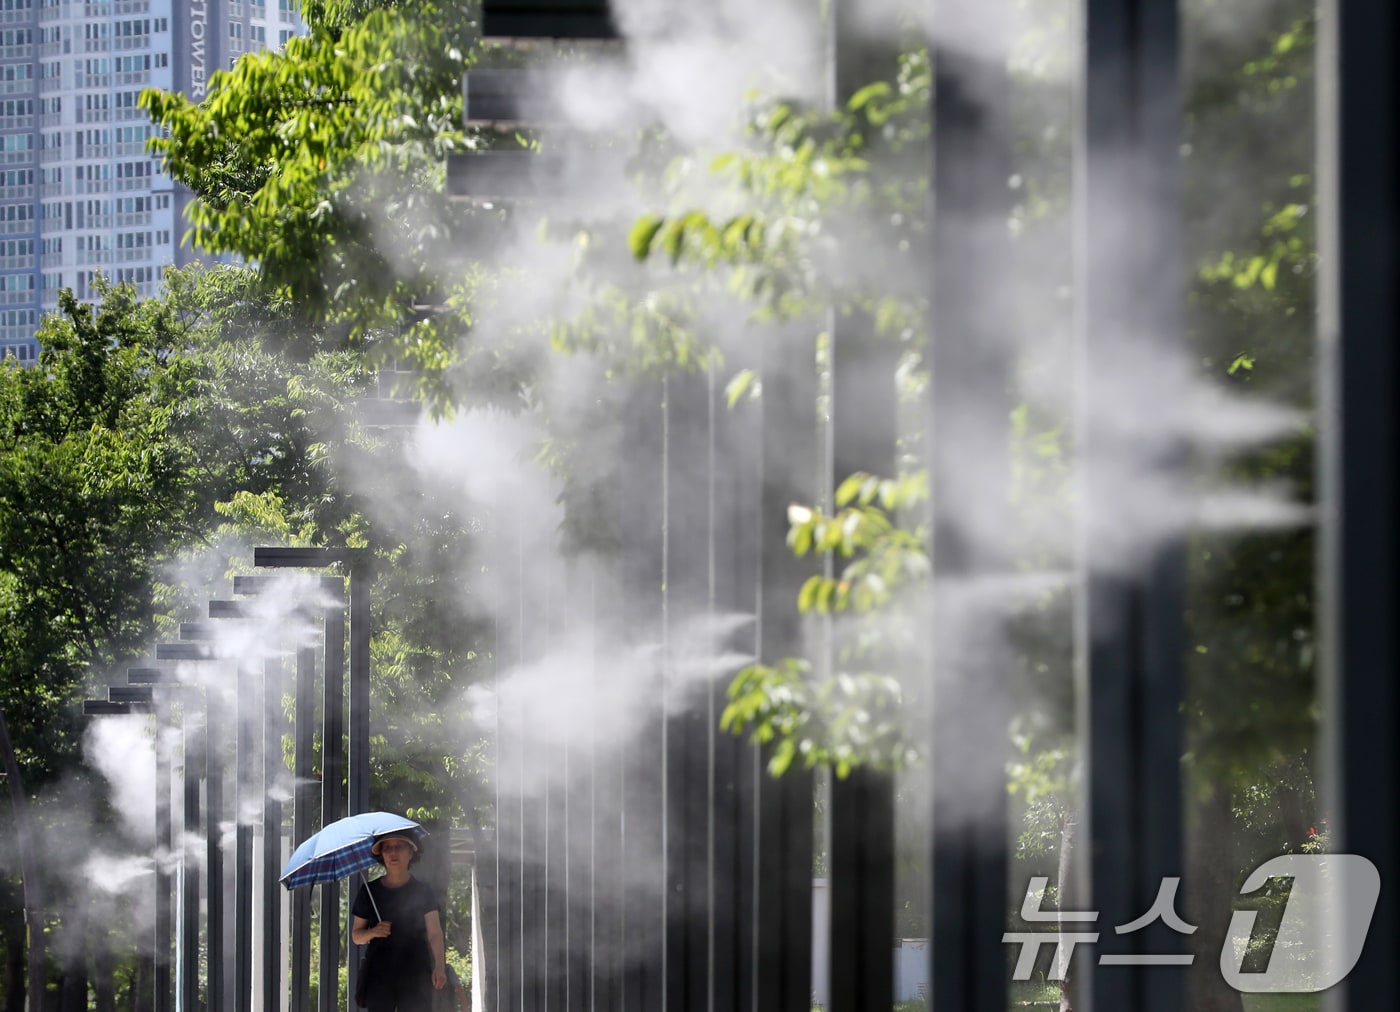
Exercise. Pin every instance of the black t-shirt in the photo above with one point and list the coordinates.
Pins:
(404, 908)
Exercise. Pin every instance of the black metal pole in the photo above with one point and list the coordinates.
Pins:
(165, 933)
(535, 776)
(272, 765)
(1359, 196)
(509, 970)
(303, 812)
(791, 473)
(580, 855)
(194, 748)
(359, 717)
(332, 799)
(214, 742)
(33, 887)
(246, 763)
(1132, 598)
(862, 826)
(642, 574)
(360, 577)
(609, 868)
(969, 351)
(556, 814)
(862, 829)
(733, 845)
(689, 550)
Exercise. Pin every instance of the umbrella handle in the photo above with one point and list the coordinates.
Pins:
(370, 893)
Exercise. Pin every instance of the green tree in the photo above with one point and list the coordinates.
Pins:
(323, 162)
(115, 449)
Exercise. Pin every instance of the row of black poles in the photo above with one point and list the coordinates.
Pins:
(333, 805)
(714, 857)
(197, 714)
(1130, 658)
(258, 734)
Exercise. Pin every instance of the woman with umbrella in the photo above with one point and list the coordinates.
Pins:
(397, 916)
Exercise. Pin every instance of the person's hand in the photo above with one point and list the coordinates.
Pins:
(439, 979)
(381, 930)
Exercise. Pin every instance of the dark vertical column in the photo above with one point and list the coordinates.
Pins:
(359, 718)
(864, 432)
(104, 989)
(534, 776)
(862, 891)
(579, 854)
(557, 807)
(688, 650)
(970, 346)
(164, 992)
(864, 401)
(190, 875)
(580, 785)
(332, 798)
(783, 962)
(736, 531)
(554, 941)
(141, 994)
(484, 908)
(644, 772)
(509, 757)
(272, 726)
(303, 813)
(1360, 182)
(360, 580)
(609, 782)
(215, 944)
(1132, 599)
(249, 717)
(73, 989)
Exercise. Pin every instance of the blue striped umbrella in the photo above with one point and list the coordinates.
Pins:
(343, 848)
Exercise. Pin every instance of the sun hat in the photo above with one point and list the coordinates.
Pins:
(377, 849)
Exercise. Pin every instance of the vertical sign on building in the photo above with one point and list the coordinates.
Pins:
(195, 55)
(200, 43)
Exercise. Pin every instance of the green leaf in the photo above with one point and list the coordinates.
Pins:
(861, 98)
(849, 489)
(643, 233)
(673, 240)
(783, 755)
(1268, 276)
(801, 539)
(736, 387)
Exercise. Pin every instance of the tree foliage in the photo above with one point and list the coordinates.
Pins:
(322, 162)
(140, 416)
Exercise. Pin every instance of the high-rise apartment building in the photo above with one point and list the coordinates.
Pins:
(79, 194)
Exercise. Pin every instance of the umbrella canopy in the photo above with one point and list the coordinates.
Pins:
(343, 848)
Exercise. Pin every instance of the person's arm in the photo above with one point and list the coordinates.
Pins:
(433, 923)
(361, 933)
